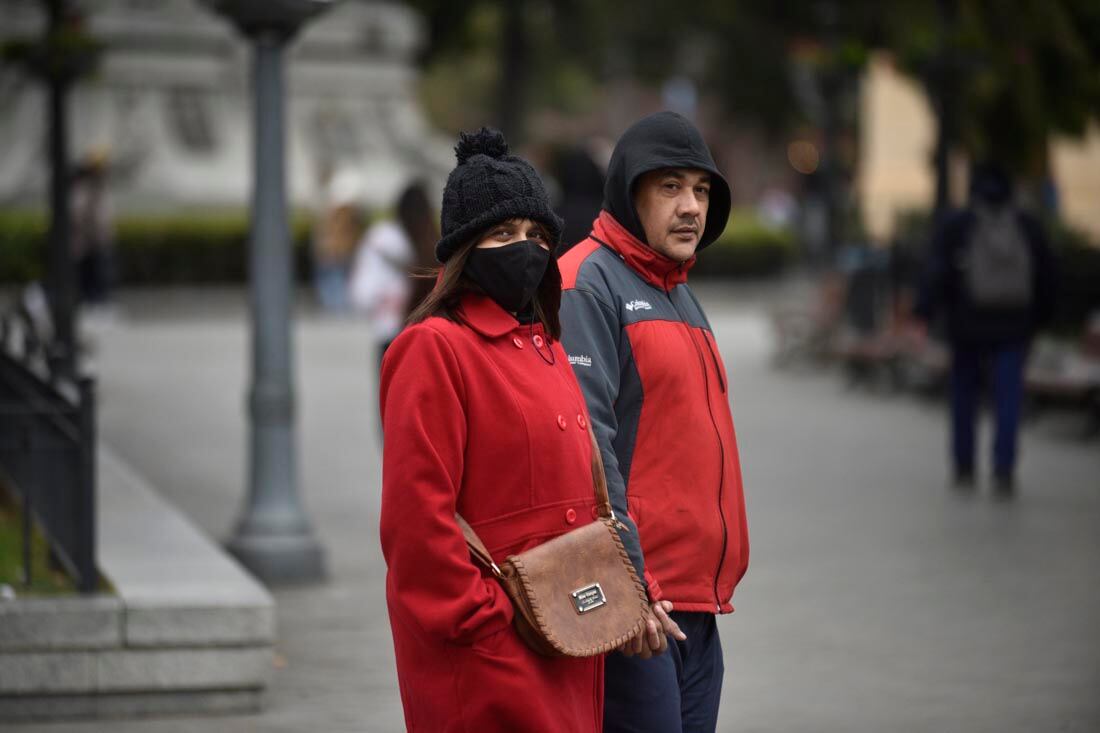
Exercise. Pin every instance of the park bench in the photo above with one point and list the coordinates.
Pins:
(1058, 376)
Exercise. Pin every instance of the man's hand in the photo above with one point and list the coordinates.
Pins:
(653, 638)
(661, 609)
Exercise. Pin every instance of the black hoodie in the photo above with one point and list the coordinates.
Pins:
(662, 140)
(647, 362)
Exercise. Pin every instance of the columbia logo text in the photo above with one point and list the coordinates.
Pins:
(580, 360)
(639, 305)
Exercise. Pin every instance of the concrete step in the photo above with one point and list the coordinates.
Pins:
(187, 629)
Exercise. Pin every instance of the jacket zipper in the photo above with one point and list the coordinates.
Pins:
(717, 433)
(717, 366)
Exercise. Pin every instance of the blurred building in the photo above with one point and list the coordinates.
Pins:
(170, 105)
(897, 139)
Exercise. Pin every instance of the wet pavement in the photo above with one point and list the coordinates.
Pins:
(877, 599)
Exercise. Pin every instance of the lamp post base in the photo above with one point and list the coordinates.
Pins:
(280, 559)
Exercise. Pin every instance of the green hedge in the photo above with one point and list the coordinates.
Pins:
(194, 247)
(22, 246)
(747, 248)
(211, 247)
(1078, 278)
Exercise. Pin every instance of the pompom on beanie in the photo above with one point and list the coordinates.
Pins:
(488, 186)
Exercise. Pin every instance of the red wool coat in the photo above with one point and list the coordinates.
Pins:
(478, 420)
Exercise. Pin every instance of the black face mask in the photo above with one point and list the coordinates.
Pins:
(511, 274)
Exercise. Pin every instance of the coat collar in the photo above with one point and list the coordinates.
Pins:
(656, 269)
(487, 318)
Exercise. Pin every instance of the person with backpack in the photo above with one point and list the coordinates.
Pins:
(991, 275)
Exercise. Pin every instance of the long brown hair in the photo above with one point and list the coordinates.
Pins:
(452, 283)
(415, 216)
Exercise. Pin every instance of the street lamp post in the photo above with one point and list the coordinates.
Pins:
(61, 280)
(64, 54)
(273, 538)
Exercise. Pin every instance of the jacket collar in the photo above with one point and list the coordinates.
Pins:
(656, 269)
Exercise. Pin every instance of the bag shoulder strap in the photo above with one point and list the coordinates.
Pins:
(603, 506)
(477, 547)
(599, 479)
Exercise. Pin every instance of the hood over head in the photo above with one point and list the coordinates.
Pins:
(662, 140)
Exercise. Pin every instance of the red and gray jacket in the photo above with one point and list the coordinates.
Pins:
(657, 395)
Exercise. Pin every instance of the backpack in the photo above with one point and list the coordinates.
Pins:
(998, 260)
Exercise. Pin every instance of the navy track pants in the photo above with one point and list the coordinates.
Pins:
(677, 692)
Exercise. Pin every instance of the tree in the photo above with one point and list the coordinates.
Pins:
(1003, 76)
(501, 59)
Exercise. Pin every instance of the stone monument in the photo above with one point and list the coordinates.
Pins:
(170, 106)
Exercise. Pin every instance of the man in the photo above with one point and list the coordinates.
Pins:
(991, 274)
(648, 364)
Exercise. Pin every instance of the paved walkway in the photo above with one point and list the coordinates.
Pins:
(876, 600)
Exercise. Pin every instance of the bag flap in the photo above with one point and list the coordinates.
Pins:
(581, 590)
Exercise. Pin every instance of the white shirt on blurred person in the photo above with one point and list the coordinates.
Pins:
(380, 286)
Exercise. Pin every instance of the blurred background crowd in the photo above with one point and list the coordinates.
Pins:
(847, 129)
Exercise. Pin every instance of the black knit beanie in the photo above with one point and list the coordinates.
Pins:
(488, 186)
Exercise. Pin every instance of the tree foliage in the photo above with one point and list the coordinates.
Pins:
(1017, 70)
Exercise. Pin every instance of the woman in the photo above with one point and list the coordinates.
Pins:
(385, 286)
(483, 417)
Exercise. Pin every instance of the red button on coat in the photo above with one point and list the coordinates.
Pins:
(595, 512)
(518, 342)
(582, 422)
(561, 422)
(537, 341)
(571, 516)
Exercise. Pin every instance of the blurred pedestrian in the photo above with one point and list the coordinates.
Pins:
(483, 417)
(338, 225)
(990, 273)
(581, 181)
(647, 361)
(93, 229)
(388, 276)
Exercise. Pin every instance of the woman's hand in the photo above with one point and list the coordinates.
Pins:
(653, 638)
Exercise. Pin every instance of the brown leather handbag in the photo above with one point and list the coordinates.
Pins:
(576, 595)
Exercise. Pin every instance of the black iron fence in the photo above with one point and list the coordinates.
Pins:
(47, 451)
